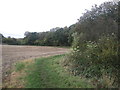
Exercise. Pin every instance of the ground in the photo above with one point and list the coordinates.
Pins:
(47, 72)
(13, 53)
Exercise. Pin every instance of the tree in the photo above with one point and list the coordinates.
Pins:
(30, 37)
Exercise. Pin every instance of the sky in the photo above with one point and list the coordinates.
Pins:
(18, 16)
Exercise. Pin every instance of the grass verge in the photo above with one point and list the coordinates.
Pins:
(48, 73)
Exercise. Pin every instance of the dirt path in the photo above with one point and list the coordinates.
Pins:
(13, 53)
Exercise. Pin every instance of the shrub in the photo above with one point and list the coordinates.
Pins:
(95, 59)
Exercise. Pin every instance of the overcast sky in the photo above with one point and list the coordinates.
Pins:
(18, 16)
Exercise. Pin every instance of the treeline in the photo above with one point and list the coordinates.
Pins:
(9, 40)
(55, 37)
(96, 46)
(100, 20)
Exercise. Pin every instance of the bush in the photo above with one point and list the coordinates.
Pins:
(95, 59)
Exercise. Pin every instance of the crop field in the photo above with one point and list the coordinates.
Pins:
(14, 53)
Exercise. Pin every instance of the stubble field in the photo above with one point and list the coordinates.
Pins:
(14, 53)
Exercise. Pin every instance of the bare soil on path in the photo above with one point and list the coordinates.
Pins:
(13, 53)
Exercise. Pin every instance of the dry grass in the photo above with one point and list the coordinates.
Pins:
(15, 79)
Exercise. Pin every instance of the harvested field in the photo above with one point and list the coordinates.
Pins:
(13, 53)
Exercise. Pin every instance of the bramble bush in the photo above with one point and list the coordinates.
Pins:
(95, 59)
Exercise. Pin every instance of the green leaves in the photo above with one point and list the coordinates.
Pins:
(95, 58)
